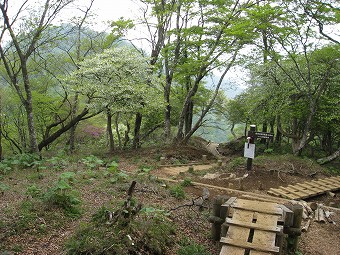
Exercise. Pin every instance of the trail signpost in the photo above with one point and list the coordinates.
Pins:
(249, 146)
(264, 135)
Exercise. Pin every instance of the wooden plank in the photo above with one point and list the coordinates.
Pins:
(333, 178)
(313, 189)
(282, 193)
(301, 189)
(313, 186)
(327, 186)
(237, 232)
(247, 245)
(255, 206)
(336, 178)
(232, 250)
(259, 253)
(266, 238)
(230, 201)
(330, 181)
(258, 226)
(240, 232)
(298, 194)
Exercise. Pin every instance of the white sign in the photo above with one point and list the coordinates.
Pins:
(249, 150)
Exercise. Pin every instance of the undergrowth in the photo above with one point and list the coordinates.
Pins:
(147, 232)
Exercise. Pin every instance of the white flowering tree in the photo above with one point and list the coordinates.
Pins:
(118, 80)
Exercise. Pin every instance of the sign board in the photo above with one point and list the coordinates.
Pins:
(264, 135)
(249, 150)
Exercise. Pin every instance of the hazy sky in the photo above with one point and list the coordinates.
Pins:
(113, 9)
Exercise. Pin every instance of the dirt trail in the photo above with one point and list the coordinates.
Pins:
(172, 171)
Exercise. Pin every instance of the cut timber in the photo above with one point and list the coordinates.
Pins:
(306, 226)
(307, 189)
(227, 250)
(255, 206)
(247, 245)
(281, 193)
(255, 226)
(259, 253)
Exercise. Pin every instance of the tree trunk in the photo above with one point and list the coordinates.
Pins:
(62, 130)
(1, 156)
(325, 160)
(167, 123)
(232, 130)
(73, 129)
(117, 130)
(245, 129)
(109, 130)
(326, 142)
(127, 132)
(30, 122)
(188, 118)
(136, 138)
(264, 129)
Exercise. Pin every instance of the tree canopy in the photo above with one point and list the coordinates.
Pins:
(55, 76)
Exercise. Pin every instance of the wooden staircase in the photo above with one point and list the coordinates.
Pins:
(307, 189)
(253, 227)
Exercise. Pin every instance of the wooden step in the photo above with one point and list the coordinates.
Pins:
(247, 245)
(257, 226)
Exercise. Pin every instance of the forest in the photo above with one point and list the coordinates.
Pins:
(61, 81)
(72, 89)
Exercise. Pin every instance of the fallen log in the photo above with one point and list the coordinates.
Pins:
(306, 207)
(325, 160)
(328, 215)
(322, 218)
(320, 214)
(306, 226)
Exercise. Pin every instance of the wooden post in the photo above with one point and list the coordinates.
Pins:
(251, 134)
(204, 158)
(219, 162)
(162, 160)
(295, 230)
(215, 219)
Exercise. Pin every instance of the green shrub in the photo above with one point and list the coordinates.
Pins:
(3, 188)
(34, 191)
(145, 169)
(25, 160)
(92, 162)
(186, 182)
(148, 231)
(177, 191)
(112, 167)
(63, 196)
(68, 177)
(5, 167)
(237, 162)
(57, 163)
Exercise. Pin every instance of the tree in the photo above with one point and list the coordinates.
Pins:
(118, 80)
(292, 45)
(23, 44)
(192, 39)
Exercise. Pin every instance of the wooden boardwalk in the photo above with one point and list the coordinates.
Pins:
(253, 227)
(307, 189)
